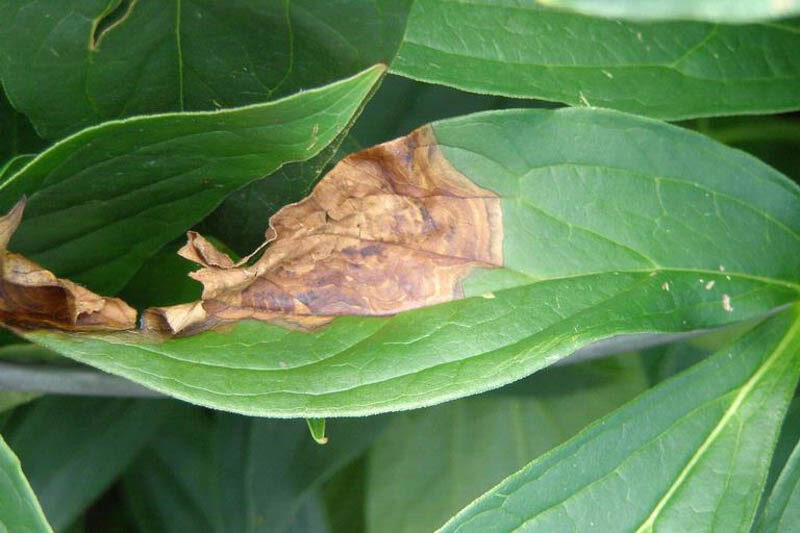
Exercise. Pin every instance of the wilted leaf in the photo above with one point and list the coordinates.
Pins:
(32, 297)
(611, 224)
(692, 454)
(668, 70)
(19, 509)
(390, 229)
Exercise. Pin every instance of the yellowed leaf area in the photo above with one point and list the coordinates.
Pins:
(391, 228)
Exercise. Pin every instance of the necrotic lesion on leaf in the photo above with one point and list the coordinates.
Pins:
(389, 229)
(32, 297)
(392, 228)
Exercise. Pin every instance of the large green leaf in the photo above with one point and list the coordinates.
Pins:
(19, 509)
(668, 70)
(74, 448)
(711, 10)
(782, 512)
(225, 473)
(612, 225)
(691, 454)
(103, 200)
(68, 64)
(432, 462)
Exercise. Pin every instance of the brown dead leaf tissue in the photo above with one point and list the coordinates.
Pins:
(391, 228)
(32, 297)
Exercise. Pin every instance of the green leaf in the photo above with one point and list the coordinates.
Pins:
(782, 512)
(432, 462)
(225, 473)
(73, 448)
(711, 10)
(19, 509)
(692, 454)
(612, 225)
(107, 198)
(117, 58)
(668, 70)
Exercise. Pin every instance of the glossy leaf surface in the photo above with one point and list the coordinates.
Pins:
(681, 233)
(668, 70)
(114, 59)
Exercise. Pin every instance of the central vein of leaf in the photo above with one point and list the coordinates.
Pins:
(744, 391)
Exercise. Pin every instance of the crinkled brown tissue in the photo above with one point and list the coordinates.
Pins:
(32, 297)
(392, 228)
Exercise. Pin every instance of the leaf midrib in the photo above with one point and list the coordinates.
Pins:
(744, 391)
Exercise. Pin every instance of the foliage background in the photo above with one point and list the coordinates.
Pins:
(164, 465)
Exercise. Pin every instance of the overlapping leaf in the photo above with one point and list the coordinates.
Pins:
(669, 70)
(118, 58)
(612, 224)
(690, 455)
(430, 463)
(103, 200)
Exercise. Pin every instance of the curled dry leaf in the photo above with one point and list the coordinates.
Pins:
(392, 228)
(32, 297)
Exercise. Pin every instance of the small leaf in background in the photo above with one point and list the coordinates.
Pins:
(711, 10)
(692, 454)
(104, 200)
(72, 449)
(696, 234)
(668, 70)
(238, 474)
(428, 464)
(118, 58)
(19, 509)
